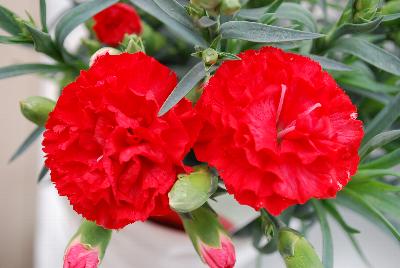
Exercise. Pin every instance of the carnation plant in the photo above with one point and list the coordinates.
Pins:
(290, 106)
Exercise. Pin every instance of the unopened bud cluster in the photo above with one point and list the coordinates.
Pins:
(215, 7)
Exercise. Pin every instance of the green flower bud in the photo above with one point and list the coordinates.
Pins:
(365, 10)
(88, 246)
(296, 251)
(192, 191)
(36, 109)
(209, 56)
(230, 7)
(206, 4)
(209, 238)
(133, 43)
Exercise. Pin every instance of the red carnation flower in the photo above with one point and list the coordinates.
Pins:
(113, 23)
(107, 150)
(278, 129)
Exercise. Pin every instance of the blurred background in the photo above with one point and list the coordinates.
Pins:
(36, 224)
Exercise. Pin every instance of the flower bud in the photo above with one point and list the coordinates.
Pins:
(192, 191)
(365, 10)
(296, 251)
(36, 109)
(79, 255)
(209, 56)
(209, 238)
(230, 7)
(206, 4)
(87, 247)
(103, 51)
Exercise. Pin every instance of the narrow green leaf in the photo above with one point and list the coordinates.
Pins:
(351, 199)
(296, 12)
(43, 173)
(187, 83)
(78, 15)
(388, 160)
(330, 64)
(327, 244)
(370, 53)
(350, 231)
(252, 13)
(363, 174)
(258, 32)
(388, 203)
(20, 69)
(43, 15)
(14, 40)
(379, 97)
(350, 28)
(175, 11)
(391, 17)
(363, 82)
(43, 43)
(378, 141)
(35, 134)
(373, 185)
(180, 30)
(386, 117)
(8, 21)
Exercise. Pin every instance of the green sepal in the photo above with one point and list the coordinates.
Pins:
(296, 251)
(36, 109)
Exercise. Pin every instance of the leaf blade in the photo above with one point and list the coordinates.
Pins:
(188, 82)
(43, 15)
(77, 16)
(327, 246)
(261, 33)
(330, 64)
(378, 141)
(32, 137)
(185, 33)
(28, 68)
(370, 53)
(175, 11)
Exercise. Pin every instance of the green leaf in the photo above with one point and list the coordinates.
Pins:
(327, 244)
(43, 173)
(363, 82)
(43, 15)
(8, 21)
(388, 203)
(78, 15)
(388, 160)
(351, 199)
(378, 141)
(330, 64)
(370, 53)
(43, 43)
(287, 11)
(296, 12)
(182, 31)
(350, 231)
(175, 11)
(350, 28)
(363, 174)
(14, 40)
(384, 119)
(379, 97)
(258, 32)
(35, 134)
(391, 17)
(374, 186)
(28, 68)
(187, 83)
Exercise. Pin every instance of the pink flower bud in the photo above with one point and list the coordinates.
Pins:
(221, 257)
(81, 256)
